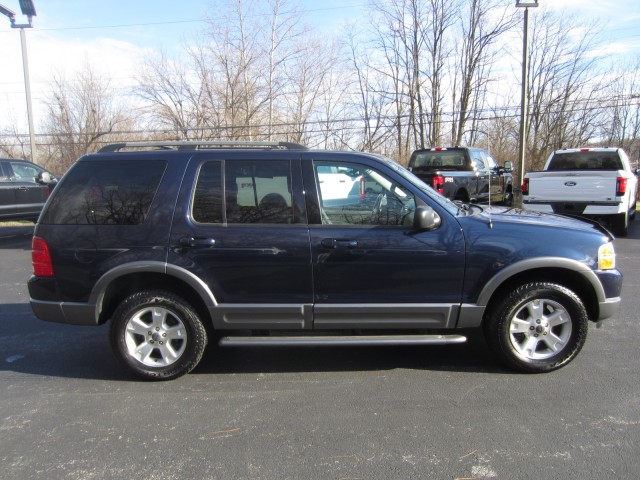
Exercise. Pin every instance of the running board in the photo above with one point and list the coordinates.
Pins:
(349, 341)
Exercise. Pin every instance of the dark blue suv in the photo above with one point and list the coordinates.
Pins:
(177, 243)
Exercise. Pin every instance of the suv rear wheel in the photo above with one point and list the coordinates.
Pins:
(158, 335)
(538, 327)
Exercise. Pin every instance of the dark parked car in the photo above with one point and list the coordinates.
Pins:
(24, 189)
(467, 174)
(178, 243)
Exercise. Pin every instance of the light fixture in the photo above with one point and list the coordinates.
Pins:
(27, 8)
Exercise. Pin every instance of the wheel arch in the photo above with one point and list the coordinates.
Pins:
(565, 272)
(120, 282)
(462, 194)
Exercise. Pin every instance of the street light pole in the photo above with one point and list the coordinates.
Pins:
(27, 90)
(29, 10)
(524, 104)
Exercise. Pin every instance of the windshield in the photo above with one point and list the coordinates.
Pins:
(416, 182)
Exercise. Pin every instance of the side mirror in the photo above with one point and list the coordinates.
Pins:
(508, 166)
(425, 218)
(45, 178)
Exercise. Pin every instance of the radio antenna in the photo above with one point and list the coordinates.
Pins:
(490, 171)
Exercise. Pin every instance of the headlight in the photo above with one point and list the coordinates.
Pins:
(606, 257)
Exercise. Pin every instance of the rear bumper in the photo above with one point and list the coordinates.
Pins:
(46, 305)
(594, 209)
(61, 312)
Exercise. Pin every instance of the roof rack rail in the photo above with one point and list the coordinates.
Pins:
(201, 145)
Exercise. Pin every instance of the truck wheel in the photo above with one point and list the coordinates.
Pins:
(537, 327)
(462, 196)
(620, 224)
(157, 335)
(508, 199)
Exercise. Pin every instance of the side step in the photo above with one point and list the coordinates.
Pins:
(349, 341)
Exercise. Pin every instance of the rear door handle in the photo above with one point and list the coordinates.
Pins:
(338, 243)
(197, 242)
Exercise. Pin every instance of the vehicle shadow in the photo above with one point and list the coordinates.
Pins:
(34, 347)
(472, 356)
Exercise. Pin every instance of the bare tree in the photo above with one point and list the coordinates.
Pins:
(562, 92)
(370, 104)
(79, 115)
(485, 23)
(13, 143)
(621, 114)
(286, 44)
(408, 41)
(443, 18)
(179, 97)
(310, 78)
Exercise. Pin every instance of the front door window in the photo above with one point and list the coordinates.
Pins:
(352, 194)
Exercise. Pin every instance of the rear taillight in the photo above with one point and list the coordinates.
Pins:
(621, 186)
(438, 183)
(525, 186)
(41, 258)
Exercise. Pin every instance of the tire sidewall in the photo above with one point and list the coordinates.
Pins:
(196, 335)
(500, 333)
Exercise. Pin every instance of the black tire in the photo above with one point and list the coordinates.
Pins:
(157, 335)
(620, 224)
(462, 196)
(537, 327)
(508, 199)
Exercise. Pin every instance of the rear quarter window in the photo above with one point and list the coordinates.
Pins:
(109, 192)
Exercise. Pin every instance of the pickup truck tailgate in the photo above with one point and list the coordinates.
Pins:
(587, 186)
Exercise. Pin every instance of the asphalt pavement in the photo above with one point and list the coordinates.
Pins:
(68, 410)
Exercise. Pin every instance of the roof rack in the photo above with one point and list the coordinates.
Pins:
(201, 145)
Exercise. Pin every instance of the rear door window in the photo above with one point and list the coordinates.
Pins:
(254, 191)
(259, 192)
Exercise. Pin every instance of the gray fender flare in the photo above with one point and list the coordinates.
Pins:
(471, 314)
(201, 288)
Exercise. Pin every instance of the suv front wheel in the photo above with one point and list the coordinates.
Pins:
(158, 335)
(537, 327)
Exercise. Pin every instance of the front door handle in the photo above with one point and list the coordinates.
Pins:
(197, 242)
(338, 243)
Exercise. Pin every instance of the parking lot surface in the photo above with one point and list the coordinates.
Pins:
(68, 410)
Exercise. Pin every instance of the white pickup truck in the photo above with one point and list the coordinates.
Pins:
(596, 183)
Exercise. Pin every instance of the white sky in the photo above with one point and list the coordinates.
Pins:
(116, 35)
